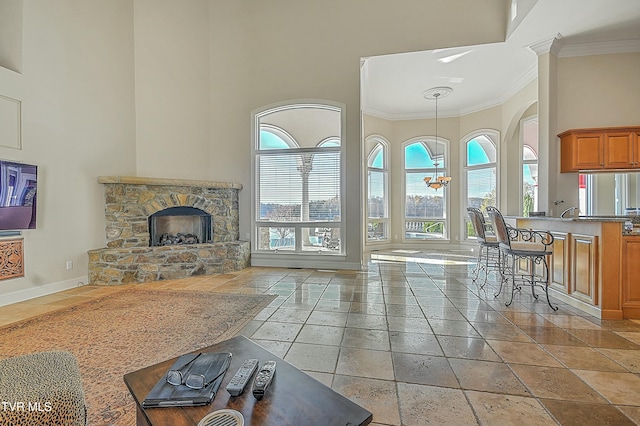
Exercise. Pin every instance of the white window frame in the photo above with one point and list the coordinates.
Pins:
(427, 141)
(523, 161)
(298, 226)
(494, 137)
(379, 144)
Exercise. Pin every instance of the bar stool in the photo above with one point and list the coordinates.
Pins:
(516, 244)
(488, 251)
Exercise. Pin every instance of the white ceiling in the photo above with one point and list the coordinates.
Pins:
(483, 76)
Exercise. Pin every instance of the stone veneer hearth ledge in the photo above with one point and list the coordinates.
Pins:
(136, 180)
(128, 258)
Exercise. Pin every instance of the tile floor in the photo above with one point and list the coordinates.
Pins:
(416, 342)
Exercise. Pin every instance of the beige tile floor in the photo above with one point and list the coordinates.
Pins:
(416, 342)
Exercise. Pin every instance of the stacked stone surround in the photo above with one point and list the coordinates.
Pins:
(128, 258)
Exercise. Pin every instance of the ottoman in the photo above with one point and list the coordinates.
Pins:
(43, 388)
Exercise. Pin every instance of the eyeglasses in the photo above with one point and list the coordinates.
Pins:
(174, 377)
(197, 381)
(193, 381)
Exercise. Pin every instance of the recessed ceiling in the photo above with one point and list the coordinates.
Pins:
(483, 76)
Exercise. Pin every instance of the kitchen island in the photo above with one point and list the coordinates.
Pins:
(595, 265)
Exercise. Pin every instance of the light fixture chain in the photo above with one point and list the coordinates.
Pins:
(438, 181)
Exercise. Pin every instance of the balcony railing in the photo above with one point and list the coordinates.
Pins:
(425, 229)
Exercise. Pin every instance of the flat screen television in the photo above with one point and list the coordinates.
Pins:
(18, 187)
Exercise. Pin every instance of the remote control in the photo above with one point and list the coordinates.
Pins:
(241, 378)
(263, 379)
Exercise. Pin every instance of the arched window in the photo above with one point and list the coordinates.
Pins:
(377, 191)
(529, 133)
(480, 172)
(272, 137)
(298, 181)
(329, 143)
(425, 214)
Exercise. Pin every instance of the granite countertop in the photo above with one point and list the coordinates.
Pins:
(582, 218)
(626, 229)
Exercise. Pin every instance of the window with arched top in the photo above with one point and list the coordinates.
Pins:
(529, 137)
(425, 213)
(330, 142)
(377, 190)
(480, 172)
(272, 137)
(298, 194)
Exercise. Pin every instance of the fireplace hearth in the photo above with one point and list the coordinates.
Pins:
(160, 229)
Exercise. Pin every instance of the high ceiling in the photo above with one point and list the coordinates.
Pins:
(483, 76)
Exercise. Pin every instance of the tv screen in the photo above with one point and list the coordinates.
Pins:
(18, 186)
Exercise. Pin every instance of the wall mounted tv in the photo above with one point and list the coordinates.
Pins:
(18, 184)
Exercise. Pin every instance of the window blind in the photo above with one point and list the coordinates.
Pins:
(299, 185)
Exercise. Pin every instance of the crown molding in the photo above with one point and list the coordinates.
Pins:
(550, 45)
(409, 115)
(600, 48)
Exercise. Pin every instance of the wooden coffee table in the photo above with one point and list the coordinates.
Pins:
(294, 398)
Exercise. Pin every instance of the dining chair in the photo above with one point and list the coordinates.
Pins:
(517, 244)
(488, 246)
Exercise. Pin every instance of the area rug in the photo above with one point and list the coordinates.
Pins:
(129, 330)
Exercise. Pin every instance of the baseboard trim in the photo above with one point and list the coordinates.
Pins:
(571, 301)
(45, 290)
(303, 263)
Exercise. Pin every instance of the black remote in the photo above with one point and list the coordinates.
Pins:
(263, 379)
(241, 378)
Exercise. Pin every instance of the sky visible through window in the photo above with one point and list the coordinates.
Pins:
(270, 141)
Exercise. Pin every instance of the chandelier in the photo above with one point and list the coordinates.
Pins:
(436, 182)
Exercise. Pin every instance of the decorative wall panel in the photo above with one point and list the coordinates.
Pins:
(10, 116)
(11, 259)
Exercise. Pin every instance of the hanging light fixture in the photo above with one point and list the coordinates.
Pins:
(436, 182)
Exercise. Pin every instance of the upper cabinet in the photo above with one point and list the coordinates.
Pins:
(603, 149)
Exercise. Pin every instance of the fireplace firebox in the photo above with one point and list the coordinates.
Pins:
(179, 225)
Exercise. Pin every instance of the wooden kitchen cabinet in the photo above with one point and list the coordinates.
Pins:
(630, 277)
(583, 281)
(587, 270)
(602, 149)
(619, 150)
(560, 270)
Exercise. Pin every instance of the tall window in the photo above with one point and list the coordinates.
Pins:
(425, 208)
(298, 182)
(529, 132)
(480, 172)
(377, 195)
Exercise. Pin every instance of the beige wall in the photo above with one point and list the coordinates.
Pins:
(77, 94)
(598, 91)
(593, 91)
(513, 110)
(172, 97)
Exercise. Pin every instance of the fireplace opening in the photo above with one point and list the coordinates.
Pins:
(179, 225)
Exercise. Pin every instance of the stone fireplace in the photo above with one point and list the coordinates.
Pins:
(160, 229)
